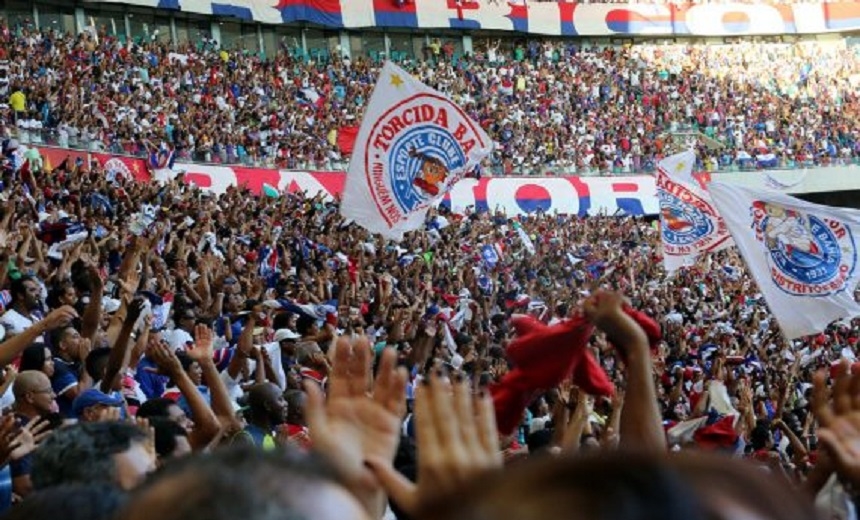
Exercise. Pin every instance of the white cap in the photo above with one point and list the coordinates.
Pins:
(285, 334)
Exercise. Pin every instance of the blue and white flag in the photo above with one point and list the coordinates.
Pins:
(689, 224)
(803, 256)
(490, 256)
(414, 144)
(767, 160)
(525, 238)
(268, 257)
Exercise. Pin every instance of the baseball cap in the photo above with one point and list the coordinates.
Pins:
(93, 397)
(285, 334)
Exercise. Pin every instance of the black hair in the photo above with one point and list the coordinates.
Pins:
(82, 453)
(18, 287)
(33, 357)
(539, 441)
(56, 335)
(281, 320)
(166, 432)
(304, 324)
(235, 482)
(158, 407)
(79, 501)
(96, 362)
(56, 292)
(296, 400)
(760, 435)
(185, 360)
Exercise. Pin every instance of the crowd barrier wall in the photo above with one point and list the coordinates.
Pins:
(563, 18)
(633, 195)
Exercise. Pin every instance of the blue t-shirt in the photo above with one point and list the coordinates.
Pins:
(151, 384)
(23, 466)
(65, 377)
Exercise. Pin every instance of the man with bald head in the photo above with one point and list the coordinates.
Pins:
(34, 397)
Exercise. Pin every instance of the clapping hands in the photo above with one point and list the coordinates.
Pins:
(361, 418)
(839, 418)
(457, 439)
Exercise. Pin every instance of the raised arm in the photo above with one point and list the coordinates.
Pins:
(206, 425)
(640, 426)
(121, 350)
(12, 347)
(202, 352)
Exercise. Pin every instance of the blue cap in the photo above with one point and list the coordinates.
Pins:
(93, 397)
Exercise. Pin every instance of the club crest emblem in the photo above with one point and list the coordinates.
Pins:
(689, 223)
(807, 255)
(415, 152)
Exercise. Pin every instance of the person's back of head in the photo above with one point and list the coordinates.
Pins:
(305, 325)
(622, 486)
(33, 357)
(96, 362)
(243, 482)
(90, 453)
(70, 502)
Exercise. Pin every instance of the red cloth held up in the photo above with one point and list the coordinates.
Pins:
(543, 356)
(721, 434)
(651, 327)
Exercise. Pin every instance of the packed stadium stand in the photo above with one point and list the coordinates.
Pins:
(230, 92)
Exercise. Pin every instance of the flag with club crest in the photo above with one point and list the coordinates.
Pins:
(802, 255)
(689, 224)
(414, 144)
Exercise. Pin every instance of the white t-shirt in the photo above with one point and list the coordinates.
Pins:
(15, 323)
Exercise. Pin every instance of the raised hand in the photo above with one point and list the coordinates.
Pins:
(839, 418)
(356, 425)
(164, 358)
(29, 437)
(135, 309)
(603, 307)
(129, 284)
(606, 310)
(16, 442)
(452, 448)
(203, 342)
(59, 317)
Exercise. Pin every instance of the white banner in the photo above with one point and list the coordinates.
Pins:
(803, 256)
(689, 224)
(414, 144)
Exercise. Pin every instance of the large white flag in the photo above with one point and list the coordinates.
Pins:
(803, 256)
(413, 145)
(689, 224)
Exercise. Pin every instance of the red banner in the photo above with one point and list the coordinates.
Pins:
(346, 139)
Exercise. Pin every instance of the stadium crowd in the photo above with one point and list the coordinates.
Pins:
(166, 353)
(551, 106)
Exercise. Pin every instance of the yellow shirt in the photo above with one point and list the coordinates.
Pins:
(225, 57)
(18, 101)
